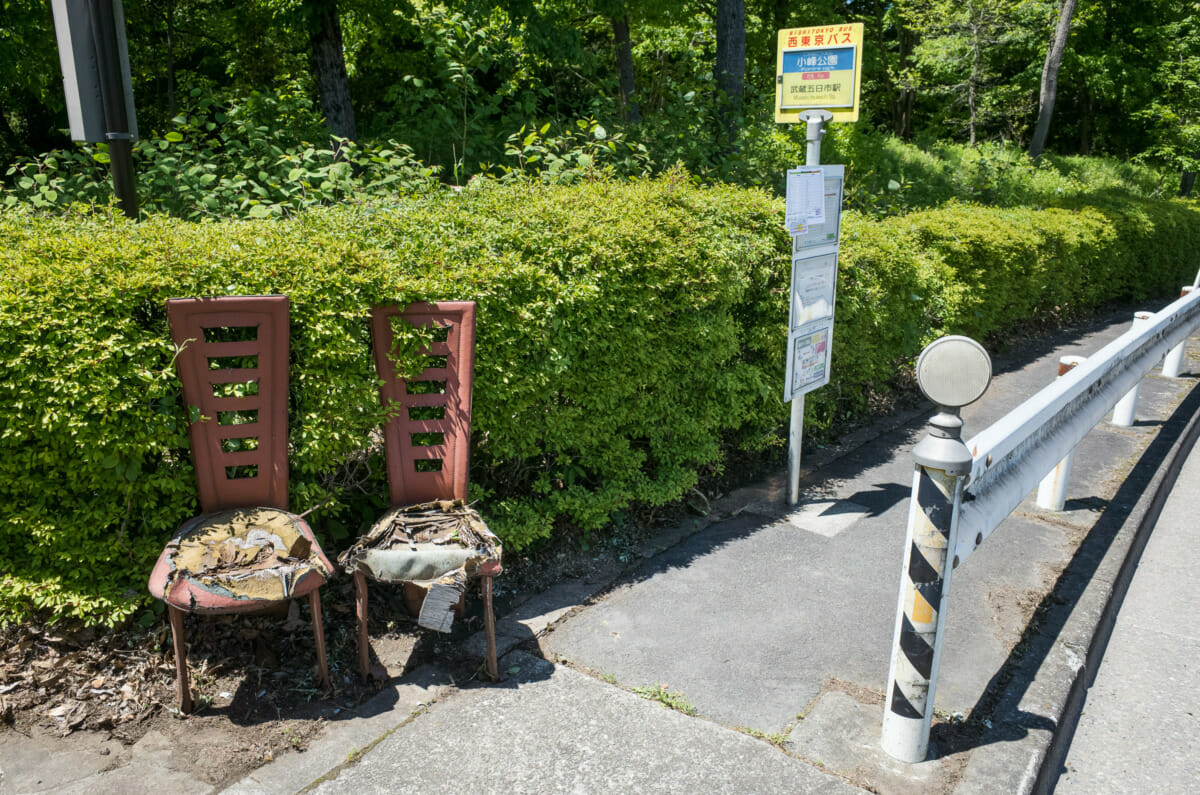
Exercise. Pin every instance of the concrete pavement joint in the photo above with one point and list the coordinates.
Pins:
(355, 755)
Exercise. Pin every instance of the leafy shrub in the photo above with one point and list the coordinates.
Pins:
(587, 152)
(886, 176)
(240, 158)
(627, 332)
(610, 362)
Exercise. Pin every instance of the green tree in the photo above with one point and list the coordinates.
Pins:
(1049, 89)
(1172, 116)
(976, 58)
(1108, 74)
(32, 106)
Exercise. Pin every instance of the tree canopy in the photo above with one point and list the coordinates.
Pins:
(456, 80)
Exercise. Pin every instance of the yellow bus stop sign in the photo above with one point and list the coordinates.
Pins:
(819, 68)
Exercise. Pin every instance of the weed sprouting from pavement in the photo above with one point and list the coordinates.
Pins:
(660, 693)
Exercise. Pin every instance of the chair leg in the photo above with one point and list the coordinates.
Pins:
(489, 627)
(360, 610)
(314, 604)
(182, 689)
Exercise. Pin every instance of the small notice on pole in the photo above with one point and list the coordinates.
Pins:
(827, 230)
(808, 360)
(813, 218)
(805, 199)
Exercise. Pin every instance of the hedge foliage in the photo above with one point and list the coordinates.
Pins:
(628, 331)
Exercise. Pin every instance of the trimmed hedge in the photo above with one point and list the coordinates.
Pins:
(627, 332)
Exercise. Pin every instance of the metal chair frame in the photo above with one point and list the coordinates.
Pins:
(408, 481)
(238, 441)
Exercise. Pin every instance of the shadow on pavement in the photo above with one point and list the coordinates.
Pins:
(999, 704)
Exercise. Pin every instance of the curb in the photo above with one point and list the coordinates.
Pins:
(1035, 713)
(1161, 489)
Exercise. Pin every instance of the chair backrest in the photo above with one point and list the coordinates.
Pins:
(427, 442)
(233, 364)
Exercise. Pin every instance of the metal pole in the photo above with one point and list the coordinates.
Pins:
(1052, 492)
(814, 132)
(112, 97)
(1125, 412)
(943, 464)
(1173, 361)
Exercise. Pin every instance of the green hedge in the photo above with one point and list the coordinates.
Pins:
(627, 332)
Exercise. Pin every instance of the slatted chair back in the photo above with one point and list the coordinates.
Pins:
(428, 439)
(233, 365)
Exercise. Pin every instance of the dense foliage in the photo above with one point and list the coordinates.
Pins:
(453, 81)
(629, 332)
(631, 321)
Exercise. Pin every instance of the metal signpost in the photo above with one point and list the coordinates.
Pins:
(95, 65)
(817, 81)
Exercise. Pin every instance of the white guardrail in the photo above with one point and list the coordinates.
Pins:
(962, 492)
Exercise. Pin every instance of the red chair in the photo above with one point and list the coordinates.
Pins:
(245, 553)
(430, 541)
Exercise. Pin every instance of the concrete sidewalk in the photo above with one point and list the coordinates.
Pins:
(769, 631)
(773, 628)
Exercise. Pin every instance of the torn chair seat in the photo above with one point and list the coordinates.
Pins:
(239, 560)
(420, 564)
(436, 546)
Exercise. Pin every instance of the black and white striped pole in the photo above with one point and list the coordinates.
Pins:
(952, 372)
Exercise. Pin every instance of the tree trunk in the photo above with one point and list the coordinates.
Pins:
(902, 108)
(1187, 181)
(974, 81)
(329, 67)
(1085, 121)
(169, 13)
(629, 107)
(1054, 55)
(731, 50)
(780, 14)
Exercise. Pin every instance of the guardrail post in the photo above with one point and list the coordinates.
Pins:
(1173, 363)
(1125, 412)
(1052, 492)
(952, 372)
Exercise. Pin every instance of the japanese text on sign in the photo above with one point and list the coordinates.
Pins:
(819, 69)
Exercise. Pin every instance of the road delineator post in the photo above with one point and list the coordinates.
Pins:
(952, 372)
(1052, 492)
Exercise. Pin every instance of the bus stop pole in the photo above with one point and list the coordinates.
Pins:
(815, 120)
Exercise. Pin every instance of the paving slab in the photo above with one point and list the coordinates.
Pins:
(356, 733)
(753, 618)
(550, 729)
